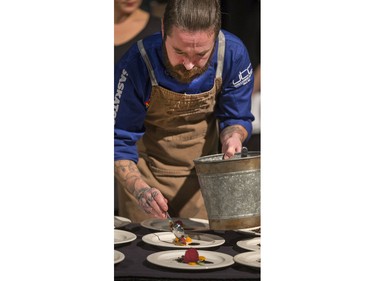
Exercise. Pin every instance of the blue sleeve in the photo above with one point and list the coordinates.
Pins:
(131, 93)
(234, 102)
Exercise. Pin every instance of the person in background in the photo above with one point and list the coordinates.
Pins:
(131, 25)
(176, 95)
(157, 7)
(242, 18)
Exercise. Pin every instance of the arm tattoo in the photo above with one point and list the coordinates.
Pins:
(129, 168)
(128, 173)
(228, 132)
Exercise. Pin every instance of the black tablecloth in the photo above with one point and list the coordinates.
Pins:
(136, 267)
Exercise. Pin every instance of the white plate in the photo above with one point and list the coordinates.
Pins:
(122, 236)
(252, 230)
(250, 244)
(248, 258)
(165, 239)
(120, 221)
(119, 256)
(189, 224)
(169, 259)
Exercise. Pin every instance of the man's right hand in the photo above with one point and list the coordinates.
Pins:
(149, 199)
(152, 202)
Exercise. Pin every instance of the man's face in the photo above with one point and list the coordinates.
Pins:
(187, 54)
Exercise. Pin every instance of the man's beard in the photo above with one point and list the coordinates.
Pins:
(179, 72)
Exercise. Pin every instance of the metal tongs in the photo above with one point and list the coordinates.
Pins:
(176, 228)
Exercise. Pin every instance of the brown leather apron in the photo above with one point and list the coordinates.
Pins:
(179, 129)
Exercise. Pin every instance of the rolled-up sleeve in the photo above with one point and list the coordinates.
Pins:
(234, 102)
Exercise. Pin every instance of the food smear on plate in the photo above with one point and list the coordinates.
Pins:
(192, 257)
(182, 241)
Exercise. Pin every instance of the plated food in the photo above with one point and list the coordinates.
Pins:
(192, 257)
(189, 224)
(197, 240)
(172, 259)
(183, 240)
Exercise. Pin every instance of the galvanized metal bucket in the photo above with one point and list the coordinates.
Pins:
(231, 190)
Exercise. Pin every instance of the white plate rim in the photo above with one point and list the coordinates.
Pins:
(243, 259)
(249, 230)
(152, 239)
(120, 256)
(130, 236)
(124, 221)
(249, 244)
(174, 254)
(148, 223)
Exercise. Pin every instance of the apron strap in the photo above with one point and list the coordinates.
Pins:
(220, 55)
(141, 48)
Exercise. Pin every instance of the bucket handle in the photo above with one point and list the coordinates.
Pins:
(244, 152)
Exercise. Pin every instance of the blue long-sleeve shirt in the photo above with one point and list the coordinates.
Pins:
(133, 90)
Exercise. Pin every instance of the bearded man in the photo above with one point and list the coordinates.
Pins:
(177, 94)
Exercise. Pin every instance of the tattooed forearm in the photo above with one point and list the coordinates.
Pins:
(232, 130)
(127, 166)
(127, 173)
(149, 198)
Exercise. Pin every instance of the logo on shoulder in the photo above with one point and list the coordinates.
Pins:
(120, 89)
(243, 77)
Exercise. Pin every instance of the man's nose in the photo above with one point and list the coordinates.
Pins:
(188, 64)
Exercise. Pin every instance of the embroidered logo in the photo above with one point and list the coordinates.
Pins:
(243, 77)
(120, 89)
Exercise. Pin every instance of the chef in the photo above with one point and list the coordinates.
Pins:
(178, 94)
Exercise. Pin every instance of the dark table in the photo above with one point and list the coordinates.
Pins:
(136, 267)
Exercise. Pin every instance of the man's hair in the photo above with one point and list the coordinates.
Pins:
(192, 15)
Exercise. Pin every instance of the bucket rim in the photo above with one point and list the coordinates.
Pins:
(237, 157)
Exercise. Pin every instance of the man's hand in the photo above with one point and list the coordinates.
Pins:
(149, 199)
(231, 139)
(152, 202)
